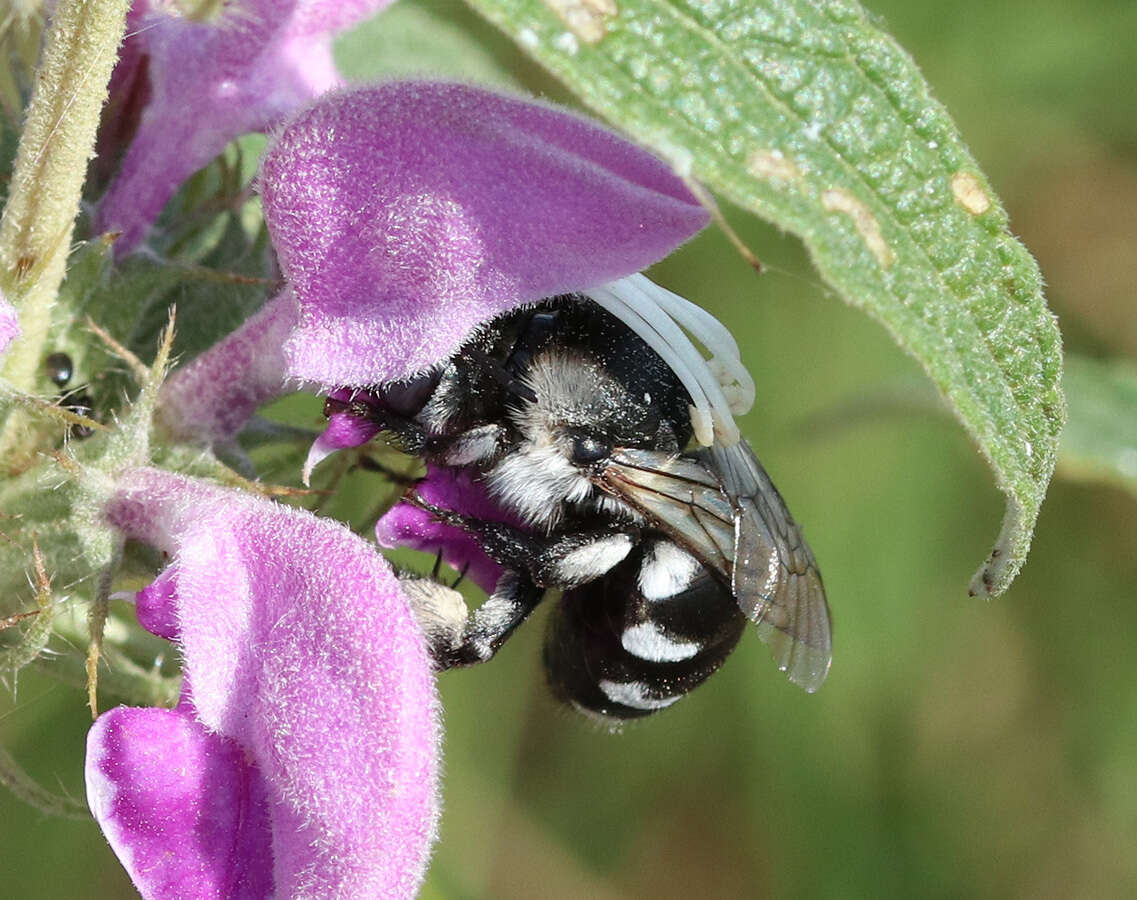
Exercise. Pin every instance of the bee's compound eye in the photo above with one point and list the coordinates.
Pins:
(58, 368)
(587, 448)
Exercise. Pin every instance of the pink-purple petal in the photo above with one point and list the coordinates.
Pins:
(9, 323)
(301, 651)
(212, 397)
(156, 607)
(404, 525)
(405, 214)
(212, 81)
(183, 808)
(344, 430)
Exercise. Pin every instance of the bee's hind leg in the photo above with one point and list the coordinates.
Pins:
(455, 636)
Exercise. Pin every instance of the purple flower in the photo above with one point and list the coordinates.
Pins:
(9, 323)
(408, 526)
(405, 215)
(205, 83)
(302, 758)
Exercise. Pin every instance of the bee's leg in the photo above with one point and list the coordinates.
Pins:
(459, 639)
(410, 433)
(477, 446)
(514, 597)
(552, 561)
(473, 447)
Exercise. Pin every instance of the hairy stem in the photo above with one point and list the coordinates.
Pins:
(58, 140)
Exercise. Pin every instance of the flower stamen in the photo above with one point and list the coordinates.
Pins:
(720, 386)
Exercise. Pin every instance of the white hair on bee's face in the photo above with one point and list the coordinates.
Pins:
(719, 387)
(566, 386)
(536, 481)
(538, 478)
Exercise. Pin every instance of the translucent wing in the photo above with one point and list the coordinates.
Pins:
(721, 506)
(682, 497)
(774, 576)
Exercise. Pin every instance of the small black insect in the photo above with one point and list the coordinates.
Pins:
(80, 402)
(581, 431)
(59, 368)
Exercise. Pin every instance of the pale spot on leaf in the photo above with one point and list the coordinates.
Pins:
(587, 19)
(772, 164)
(842, 201)
(969, 193)
(567, 42)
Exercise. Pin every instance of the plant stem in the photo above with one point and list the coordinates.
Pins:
(47, 183)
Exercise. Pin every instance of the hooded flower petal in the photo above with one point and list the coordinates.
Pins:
(308, 732)
(9, 323)
(405, 214)
(211, 81)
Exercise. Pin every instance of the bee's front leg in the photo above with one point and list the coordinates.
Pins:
(562, 561)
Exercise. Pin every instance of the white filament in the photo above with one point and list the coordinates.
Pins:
(725, 362)
(720, 386)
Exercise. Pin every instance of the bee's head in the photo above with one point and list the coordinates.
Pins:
(575, 414)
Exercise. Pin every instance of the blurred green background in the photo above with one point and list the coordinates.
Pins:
(960, 748)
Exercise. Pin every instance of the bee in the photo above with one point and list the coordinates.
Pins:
(581, 433)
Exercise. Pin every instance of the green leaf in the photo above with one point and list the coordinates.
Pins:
(810, 116)
(416, 36)
(1100, 440)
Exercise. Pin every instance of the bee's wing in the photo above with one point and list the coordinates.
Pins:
(682, 497)
(722, 507)
(774, 576)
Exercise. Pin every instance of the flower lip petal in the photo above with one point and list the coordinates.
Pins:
(300, 650)
(434, 207)
(404, 525)
(345, 429)
(156, 608)
(212, 806)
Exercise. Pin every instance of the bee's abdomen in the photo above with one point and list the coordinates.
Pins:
(617, 650)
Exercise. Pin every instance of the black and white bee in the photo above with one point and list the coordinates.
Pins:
(663, 549)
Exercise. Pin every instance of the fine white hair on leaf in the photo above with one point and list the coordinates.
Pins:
(655, 314)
